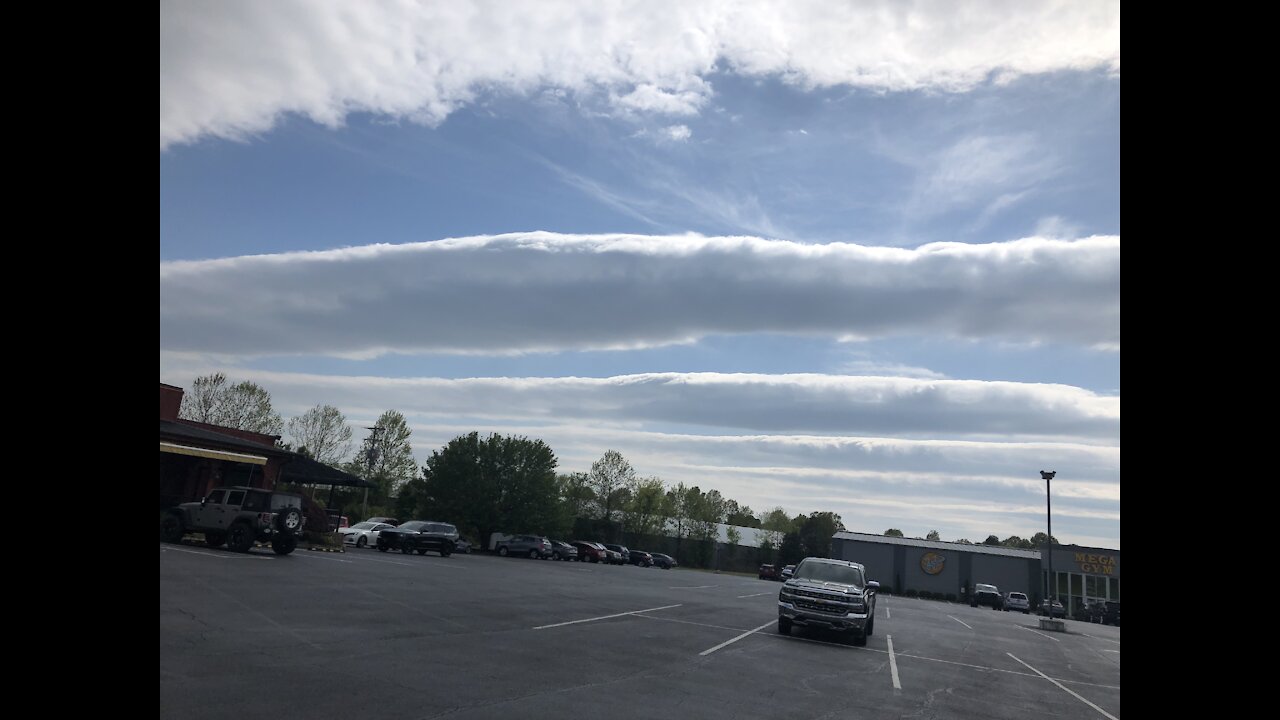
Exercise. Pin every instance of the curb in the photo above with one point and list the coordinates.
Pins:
(325, 549)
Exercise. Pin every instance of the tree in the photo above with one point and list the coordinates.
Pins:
(734, 536)
(933, 535)
(1040, 539)
(991, 540)
(612, 478)
(244, 406)
(964, 541)
(816, 532)
(740, 515)
(643, 512)
(324, 433)
(677, 505)
(576, 497)
(494, 484)
(1014, 541)
(893, 532)
(775, 524)
(386, 456)
(790, 552)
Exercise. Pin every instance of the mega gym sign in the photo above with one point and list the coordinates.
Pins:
(1091, 564)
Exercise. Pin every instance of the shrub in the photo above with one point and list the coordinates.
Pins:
(911, 592)
(951, 597)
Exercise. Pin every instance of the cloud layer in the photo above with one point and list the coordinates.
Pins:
(544, 291)
(231, 69)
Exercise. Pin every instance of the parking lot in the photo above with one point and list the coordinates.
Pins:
(368, 634)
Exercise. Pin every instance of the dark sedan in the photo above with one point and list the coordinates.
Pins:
(419, 535)
(561, 550)
(666, 562)
(641, 558)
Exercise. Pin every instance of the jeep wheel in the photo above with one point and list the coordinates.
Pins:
(171, 528)
(404, 548)
(289, 520)
(240, 537)
(784, 626)
(362, 542)
(502, 551)
(215, 539)
(445, 551)
(533, 554)
(283, 543)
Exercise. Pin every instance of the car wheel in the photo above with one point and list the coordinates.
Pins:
(240, 537)
(445, 551)
(283, 543)
(215, 539)
(362, 542)
(502, 551)
(171, 528)
(422, 551)
(871, 627)
(382, 548)
(859, 639)
(289, 519)
(406, 549)
(784, 626)
(533, 554)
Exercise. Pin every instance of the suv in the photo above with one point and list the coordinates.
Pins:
(621, 550)
(833, 594)
(590, 551)
(420, 535)
(769, 572)
(534, 546)
(237, 516)
(987, 595)
(1017, 601)
(561, 550)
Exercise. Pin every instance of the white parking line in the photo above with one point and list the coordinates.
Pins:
(389, 562)
(1060, 685)
(606, 617)
(689, 622)
(224, 556)
(1114, 651)
(726, 643)
(893, 664)
(1040, 633)
(756, 595)
(321, 557)
(886, 613)
(1095, 637)
(960, 621)
(691, 587)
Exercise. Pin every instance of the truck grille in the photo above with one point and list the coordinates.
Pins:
(806, 604)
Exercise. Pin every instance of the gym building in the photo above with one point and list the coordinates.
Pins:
(1085, 574)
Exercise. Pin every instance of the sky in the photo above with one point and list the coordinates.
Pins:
(857, 257)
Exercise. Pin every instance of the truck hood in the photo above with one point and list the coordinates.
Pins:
(828, 586)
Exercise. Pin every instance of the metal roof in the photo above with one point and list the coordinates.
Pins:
(939, 545)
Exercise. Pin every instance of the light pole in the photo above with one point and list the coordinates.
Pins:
(1047, 476)
(371, 457)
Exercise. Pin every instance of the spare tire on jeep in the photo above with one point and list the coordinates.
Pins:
(289, 519)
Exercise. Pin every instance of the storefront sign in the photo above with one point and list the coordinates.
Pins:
(1092, 564)
(932, 563)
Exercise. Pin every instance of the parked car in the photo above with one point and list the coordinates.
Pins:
(534, 546)
(640, 558)
(788, 572)
(238, 516)
(462, 545)
(829, 594)
(387, 520)
(419, 535)
(1057, 611)
(666, 562)
(561, 550)
(1111, 613)
(984, 594)
(589, 551)
(613, 557)
(363, 534)
(621, 550)
(769, 572)
(1017, 601)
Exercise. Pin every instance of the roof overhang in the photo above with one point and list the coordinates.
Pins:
(212, 454)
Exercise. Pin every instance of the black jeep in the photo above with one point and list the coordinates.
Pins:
(238, 516)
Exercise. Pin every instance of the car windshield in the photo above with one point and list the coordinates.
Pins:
(986, 588)
(829, 572)
(1017, 596)
(364, 526)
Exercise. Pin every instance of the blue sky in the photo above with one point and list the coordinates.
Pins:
(828, 259)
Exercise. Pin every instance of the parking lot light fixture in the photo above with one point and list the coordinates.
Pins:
(1047, 476)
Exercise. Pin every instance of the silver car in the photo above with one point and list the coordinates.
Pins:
(1017, 601)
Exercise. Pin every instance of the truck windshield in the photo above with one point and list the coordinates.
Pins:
(826, 572)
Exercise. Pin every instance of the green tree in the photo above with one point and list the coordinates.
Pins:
(324, 433)
(791, 551)
(677, 504)
(386, 457)
(577, 500)
(933, 535)
(612, 479)
(775, 524)
(494, 484)
(893, 532)
(1040, 539)
(740, 515)
(992, 540)
(643, 512)
(244, 406)
(816, 531)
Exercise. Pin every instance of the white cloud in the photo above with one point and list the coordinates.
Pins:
(545, 291)
(677, 133)
(806, 403)
(231, 69)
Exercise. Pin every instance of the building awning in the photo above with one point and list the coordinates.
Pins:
(212, 454)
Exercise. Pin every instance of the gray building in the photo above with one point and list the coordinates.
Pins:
(1084, 574)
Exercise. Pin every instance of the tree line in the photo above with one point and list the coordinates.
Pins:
(1035, 542)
